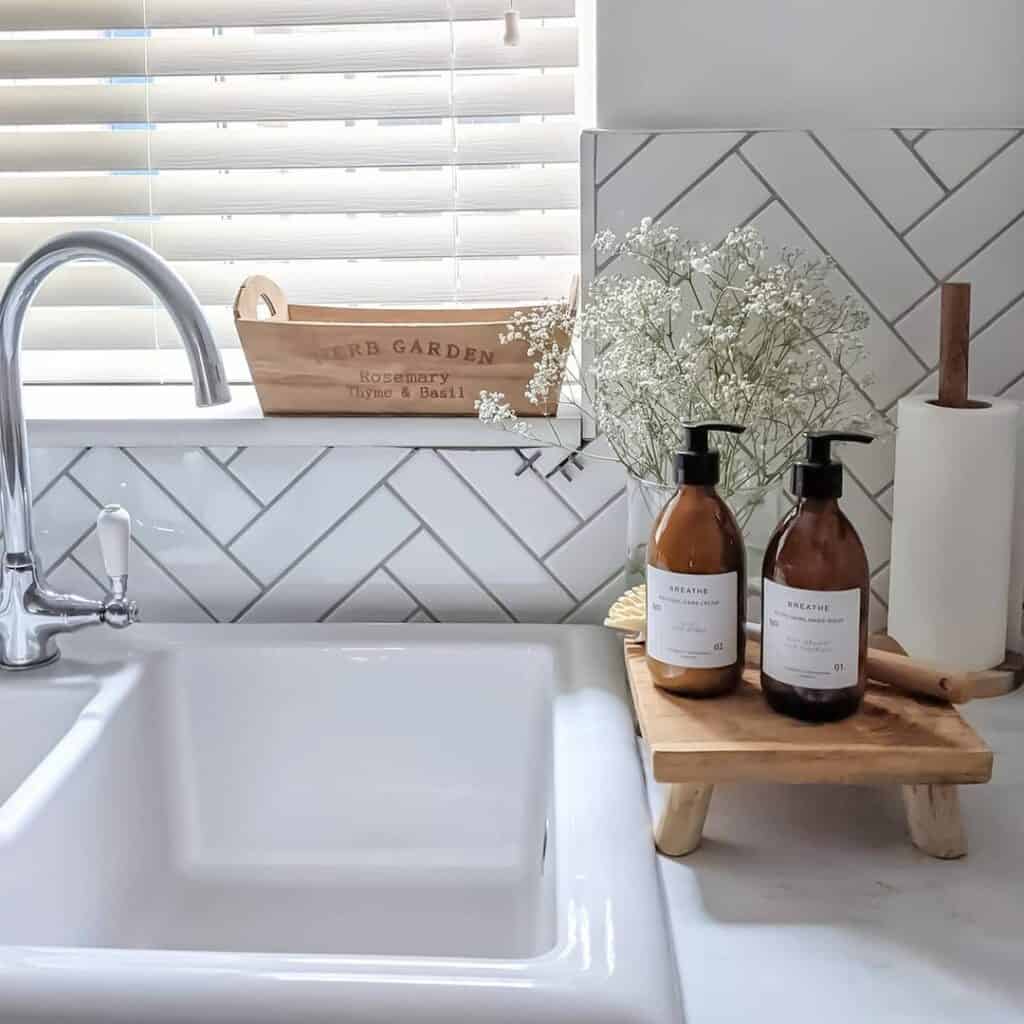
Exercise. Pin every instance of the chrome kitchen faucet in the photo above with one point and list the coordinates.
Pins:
(31, 615)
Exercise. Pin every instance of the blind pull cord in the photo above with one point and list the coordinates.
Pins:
(511, 26)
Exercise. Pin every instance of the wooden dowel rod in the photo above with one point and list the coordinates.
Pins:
(954, 343)
(917, 677)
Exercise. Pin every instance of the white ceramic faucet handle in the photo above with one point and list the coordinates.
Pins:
(114, 529)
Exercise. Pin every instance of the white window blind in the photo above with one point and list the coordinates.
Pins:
(379, 152)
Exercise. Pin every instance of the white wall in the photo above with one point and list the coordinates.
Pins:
(804, 63)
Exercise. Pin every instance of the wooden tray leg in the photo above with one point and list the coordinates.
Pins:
(681, 824)
(933, 817)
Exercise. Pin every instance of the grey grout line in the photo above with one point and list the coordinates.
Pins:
(960, 184)
(149, 554)
(960, 266)
(733, 150)
(366, 576)
(418, 610)
(64, 472)
(866, 491)
(234, 455)
(174, 579)
(747, 136)
(586, 522)
(67, 551)
(200, 525)
(853, 283)
(622, 163)
(881, 490)
(420, 606)
(455, 557)
(571, 458)
(1017, 378)
(1014, 381)
(919, 136)
(501, 519)
(382, 482)
(883, 601)
(907, 392)
(770, 201)
(851, 181)
(591, 595)
(85, 569)
(537, 473)
(911, 146)
(284, 490)
(997, 315)
(223, 467)
(543, 477)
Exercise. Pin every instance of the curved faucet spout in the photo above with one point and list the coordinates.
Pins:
(31, 615)
(208, 375)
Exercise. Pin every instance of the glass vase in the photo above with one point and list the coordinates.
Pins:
(758, 513)
(644, 501)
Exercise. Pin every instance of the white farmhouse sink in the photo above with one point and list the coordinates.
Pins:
(33, 719)
(329, 823)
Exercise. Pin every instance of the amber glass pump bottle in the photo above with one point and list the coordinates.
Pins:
(814, 617)
(696, 578)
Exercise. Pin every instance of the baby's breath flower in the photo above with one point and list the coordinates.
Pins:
(681, 330)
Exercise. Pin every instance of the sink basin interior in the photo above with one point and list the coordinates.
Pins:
(326, 800)
(313, 823)
(34, 719)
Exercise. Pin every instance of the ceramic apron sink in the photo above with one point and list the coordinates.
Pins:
(329, 824)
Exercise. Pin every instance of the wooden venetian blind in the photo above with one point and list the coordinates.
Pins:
(357, 151)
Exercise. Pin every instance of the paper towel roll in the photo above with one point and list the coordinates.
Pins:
(1015, 599)
(951, 534)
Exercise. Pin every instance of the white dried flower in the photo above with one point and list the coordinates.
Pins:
(702, 333)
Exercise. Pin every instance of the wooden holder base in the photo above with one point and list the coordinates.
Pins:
(933, 819)
(922, 745)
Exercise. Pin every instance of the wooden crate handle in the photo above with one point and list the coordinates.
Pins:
(574, 294)
(257, 289)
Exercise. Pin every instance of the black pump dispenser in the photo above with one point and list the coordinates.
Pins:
(695, 462)
(818, 475)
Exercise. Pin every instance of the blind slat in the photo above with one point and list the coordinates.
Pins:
(44, 15)
(215, 283)
(165, 366)
(117, 327)
(52, 15)
(327, 282)
(360, 236)
(314, 97)
(256, 146)
(72, 58)
(554, 186)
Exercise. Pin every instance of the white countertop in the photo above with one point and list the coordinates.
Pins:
(808, 905)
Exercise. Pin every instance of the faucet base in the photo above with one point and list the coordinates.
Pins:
(4, 667)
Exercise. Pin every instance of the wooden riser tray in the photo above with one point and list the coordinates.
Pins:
(922, 745)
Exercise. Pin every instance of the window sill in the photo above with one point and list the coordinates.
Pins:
(61, 415)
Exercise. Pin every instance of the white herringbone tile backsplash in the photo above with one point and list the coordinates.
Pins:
(266, 534)
(899, 211)
(269, 534)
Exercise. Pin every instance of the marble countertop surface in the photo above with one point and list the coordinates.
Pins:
(809, 904)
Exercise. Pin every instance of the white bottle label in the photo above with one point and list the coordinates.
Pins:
(691, 618)
(811, 637)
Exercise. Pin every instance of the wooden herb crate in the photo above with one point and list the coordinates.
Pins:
(326, 360)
